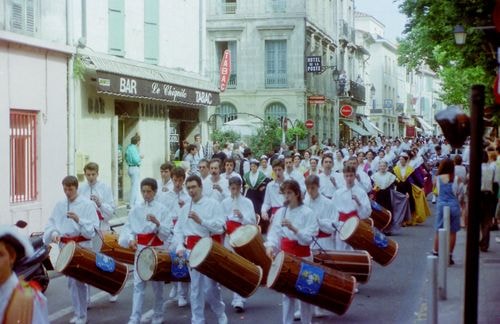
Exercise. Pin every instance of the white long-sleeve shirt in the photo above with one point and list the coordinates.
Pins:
(210, 192)
(297, 176)
(301, 217)
(324, 210)
(40, 309)
(163, 188)
(211, 214)
(244, 205)
(103, 192)
(326, 187)
(343, 202)
(272, 197)
(63, 226)
(137, 222)
(171, 201)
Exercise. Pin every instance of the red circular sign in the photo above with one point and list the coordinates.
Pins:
(309, 123)
(346, 111)
(496, 89)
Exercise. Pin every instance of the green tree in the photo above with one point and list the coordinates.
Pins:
(429, 40)
(267, 138)
(225, 137)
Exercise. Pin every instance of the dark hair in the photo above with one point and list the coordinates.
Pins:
(167, 166)
(230, 160)
(326, 156)
(204, 161)
(216, 160)
(349, 168)
(149, 182)
(70, 181)
(293, 186)
(135, 139)
(457, 159)
(437, 148)
(312, 180)
(91, 166)
(447, 167)
(178, 172)
(191, 147)
(235, 180)
(247, 152)
(278, 163)
(194, 177)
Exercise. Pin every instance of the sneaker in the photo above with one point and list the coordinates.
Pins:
(113, 298)
(73, 319)
(356, 290)
(296, 316)
(497, 239)
(318, 312)
(433, 199)
(238, 306)
(157, 320)
(434, 253)
(81, 320)
(173, 292)
(451, 261)
(182, 301)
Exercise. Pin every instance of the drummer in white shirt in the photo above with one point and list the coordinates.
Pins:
(148, 224)
(203, 217)
(165, 183)
(238, 211)
(293, 174)
(273, 199)
(73, 219)
(215, 186)
(328, 179)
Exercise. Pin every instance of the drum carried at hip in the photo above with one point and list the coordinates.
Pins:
(355, 263)
(107, 243)
(247, 241)
(159, 265)
(381, 217)
(330, 289)
(227, 268)
(97, 270)
(362, 236)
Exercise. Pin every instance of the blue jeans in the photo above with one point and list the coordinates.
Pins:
(134, 174)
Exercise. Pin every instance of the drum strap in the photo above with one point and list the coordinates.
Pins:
(20, 307)
(149, 239)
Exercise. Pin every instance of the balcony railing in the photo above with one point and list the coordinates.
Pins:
(276, 80)
(357, 91)
(376, 111)
(229, 8)
(232, 81)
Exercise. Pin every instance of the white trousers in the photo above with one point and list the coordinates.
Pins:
(138, 299)
(79, 294)
(135, 191)
(205, 289)
(289, 309)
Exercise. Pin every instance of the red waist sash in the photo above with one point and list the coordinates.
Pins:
(150, 239)
(99, 214)
(345, 216)
(322, 234)
(76, 239)
(191, 240)
(231, 226)
(293, 247)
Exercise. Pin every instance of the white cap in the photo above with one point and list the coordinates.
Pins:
(10, 235)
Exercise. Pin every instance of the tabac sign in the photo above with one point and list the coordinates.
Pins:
(225, 70)
(128, 86)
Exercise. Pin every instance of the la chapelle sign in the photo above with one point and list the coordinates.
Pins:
(141, 88)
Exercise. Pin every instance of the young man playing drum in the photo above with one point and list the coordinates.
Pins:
(292, 231)
(174, 200)
(73, 219)
(100, 194)
(238, 211)
(202, 217)
(148, 224)
(273, 199)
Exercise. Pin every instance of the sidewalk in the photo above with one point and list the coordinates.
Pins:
(451, 309)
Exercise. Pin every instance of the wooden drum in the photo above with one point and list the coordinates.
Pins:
(227, 268)
(156, 265)
(247, 241)
(79, 263)
(109, 246)
(361, 236)
(381, 216)
(335, 293)
(355, 263)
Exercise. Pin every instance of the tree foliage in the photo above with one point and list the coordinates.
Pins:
(225, 137)
(428, 39)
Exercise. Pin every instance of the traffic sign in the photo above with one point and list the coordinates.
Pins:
(309, 123)
(346, 111)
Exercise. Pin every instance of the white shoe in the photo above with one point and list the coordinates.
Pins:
(81, 320)
(238, 306)
(173, 292)
(356, 290)
(182, 301)
(318, 312)
(73, 319)
(113, 298)
(222, 319)
(296, 315)
(157, 320)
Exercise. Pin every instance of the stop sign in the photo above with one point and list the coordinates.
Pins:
(346, 111)
(309, 123)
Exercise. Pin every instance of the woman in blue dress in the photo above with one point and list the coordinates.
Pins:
(448, 186)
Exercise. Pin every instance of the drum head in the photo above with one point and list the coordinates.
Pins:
(146, 264)
(200, 251)
(65, 256)
(348, 228)
(242, 235)
(275, 270)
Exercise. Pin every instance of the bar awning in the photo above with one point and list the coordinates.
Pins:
(355, 127)
(126, 78)
(425, 126)
(374, 130)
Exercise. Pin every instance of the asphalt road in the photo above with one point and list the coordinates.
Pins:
(392, 295)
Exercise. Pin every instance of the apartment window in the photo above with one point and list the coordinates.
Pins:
(220, 48)
(116, 27)
(24, 16)
(23, 156)
(227, 111)
(229, 6)
(275, 110)
(278, 5)
(276, 67)
(151, 34)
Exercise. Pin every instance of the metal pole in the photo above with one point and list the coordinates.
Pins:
(432, 304)
(443, 264)
(446, 226)
(472, 244)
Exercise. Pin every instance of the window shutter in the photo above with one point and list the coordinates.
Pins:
(17, 14)
(30, 16)
(151, 32)
(116, 27)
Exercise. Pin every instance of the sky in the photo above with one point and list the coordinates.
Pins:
(387, 12)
